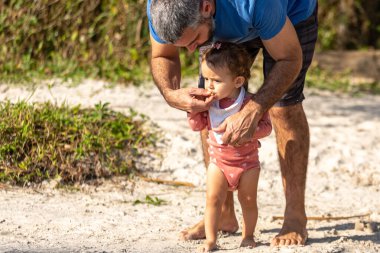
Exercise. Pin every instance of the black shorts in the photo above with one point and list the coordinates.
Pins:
(307, 32)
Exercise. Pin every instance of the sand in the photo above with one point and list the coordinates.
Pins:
(343, 180)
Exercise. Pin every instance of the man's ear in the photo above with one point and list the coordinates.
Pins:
(239, 81)
(207, 8)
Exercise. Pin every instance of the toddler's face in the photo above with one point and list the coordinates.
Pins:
(221, 82)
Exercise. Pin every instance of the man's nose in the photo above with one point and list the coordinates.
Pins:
(192, 47)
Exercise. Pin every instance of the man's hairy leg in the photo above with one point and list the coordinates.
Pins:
(227, 222)
(293, 139)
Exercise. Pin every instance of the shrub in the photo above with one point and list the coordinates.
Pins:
(44, 141)
(93, 38)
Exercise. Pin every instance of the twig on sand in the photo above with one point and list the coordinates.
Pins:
(328, 217)
(167, 182)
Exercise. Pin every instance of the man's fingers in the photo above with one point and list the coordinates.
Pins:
(226, 138)
(200, 92)
(235, 140)
(209, 100)
(233, 136)
(221, 128)
(198, 105)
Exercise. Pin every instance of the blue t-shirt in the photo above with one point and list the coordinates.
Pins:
(242, 20)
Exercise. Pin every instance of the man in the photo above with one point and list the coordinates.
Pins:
(287, 32)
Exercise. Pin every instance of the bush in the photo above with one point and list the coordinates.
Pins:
(43, 141)
(349, 24)
(93, 38)
(109, 39)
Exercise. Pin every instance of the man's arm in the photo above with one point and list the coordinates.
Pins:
(166, 72)
(165, 66)
(286, 50)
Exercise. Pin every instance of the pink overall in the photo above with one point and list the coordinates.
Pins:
(233, 161)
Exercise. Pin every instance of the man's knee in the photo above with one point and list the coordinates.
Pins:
(286, 112)
(287, 116)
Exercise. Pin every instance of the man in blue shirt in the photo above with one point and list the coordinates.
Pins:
(286, 30)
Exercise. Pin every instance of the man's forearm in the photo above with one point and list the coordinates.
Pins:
(166, 74)
(280, 78)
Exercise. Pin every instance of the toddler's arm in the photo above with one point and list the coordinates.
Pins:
(264, 127)
(197, 120)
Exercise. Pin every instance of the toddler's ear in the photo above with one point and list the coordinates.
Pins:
(239, 81)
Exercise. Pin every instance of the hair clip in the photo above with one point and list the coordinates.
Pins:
(217, 45)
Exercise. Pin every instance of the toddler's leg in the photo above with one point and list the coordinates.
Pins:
(216, 194)
(247, 197)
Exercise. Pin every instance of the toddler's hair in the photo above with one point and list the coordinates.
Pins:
(231, 56)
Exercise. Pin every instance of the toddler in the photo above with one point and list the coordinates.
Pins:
(226, 70)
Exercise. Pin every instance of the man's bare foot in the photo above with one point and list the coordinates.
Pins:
(197, 231)
(208, 247)
(290, 235)
(248, 242)
(228, 223)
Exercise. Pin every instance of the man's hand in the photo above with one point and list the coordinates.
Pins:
(240, 127)
(189, 99)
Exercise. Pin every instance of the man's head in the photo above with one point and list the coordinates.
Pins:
(184, 23)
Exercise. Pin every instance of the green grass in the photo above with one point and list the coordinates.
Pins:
(67, 70)
(29, 71)
(155, 201)
(339, 82)
(71, 144)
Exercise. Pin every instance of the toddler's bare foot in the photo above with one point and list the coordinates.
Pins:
(248, 242)
(208, 247)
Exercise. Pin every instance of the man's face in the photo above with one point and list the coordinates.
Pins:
(192, 38)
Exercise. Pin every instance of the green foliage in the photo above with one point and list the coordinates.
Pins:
(349, 24)
(338, 81)
(44, 141)
(155, 201)
(189, 62)
(109, 39)
(76, 38)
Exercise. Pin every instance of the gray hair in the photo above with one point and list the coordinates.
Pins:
(171, 17)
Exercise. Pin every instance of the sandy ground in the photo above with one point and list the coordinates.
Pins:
(343, 180)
